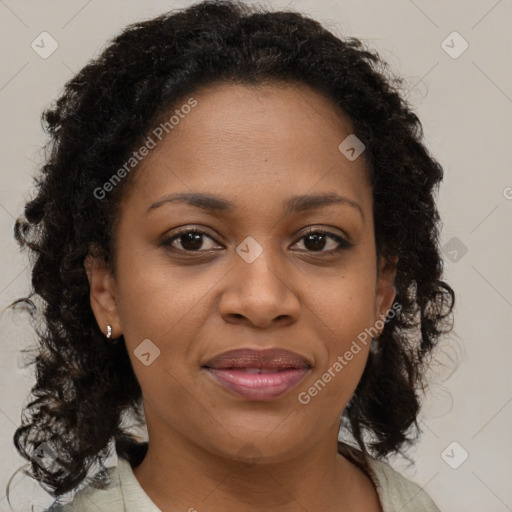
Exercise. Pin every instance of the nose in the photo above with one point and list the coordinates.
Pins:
(259, 294)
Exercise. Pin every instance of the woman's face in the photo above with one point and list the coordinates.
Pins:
(253, 279)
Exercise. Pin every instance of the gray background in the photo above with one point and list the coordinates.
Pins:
(464, 104)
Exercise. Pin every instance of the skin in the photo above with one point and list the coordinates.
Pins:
(210, 450)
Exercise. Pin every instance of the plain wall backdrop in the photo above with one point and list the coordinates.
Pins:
(455, 58)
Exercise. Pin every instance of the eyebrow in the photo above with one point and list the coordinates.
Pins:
(294, 204)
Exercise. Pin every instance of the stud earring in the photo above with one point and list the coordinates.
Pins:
(109, 335)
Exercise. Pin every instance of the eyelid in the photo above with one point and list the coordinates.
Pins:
(326, 231)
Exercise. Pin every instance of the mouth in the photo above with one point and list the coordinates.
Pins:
(258, 374)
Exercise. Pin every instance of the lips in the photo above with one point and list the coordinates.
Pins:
(254, 361)
(258, 374)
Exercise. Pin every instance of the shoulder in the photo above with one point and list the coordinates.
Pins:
(394, 490)
(397, 492)
(103, 492)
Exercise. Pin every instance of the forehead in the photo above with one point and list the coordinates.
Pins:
(268, 116)
(254, 141)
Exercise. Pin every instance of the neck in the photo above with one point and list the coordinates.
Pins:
(179, 475)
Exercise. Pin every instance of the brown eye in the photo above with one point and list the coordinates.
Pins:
(318, 240)
(191, 240)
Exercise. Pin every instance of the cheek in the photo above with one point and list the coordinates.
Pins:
(168, 306)
(343, 312)
(341, 355)
(157, 315)
(155, 299)
(344, 303)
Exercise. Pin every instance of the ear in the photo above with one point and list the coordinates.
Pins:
(385, 289)
(103, 295)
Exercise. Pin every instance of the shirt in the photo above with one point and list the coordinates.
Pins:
(124, 493)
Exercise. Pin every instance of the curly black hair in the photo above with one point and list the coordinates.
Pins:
(84, 386)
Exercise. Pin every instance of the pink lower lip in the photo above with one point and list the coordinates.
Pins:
(258, 386)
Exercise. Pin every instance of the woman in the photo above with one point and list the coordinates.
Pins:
(236, 242)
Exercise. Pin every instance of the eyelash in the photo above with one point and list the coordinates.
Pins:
(343, 244)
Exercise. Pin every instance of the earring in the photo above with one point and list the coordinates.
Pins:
(109, 334)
